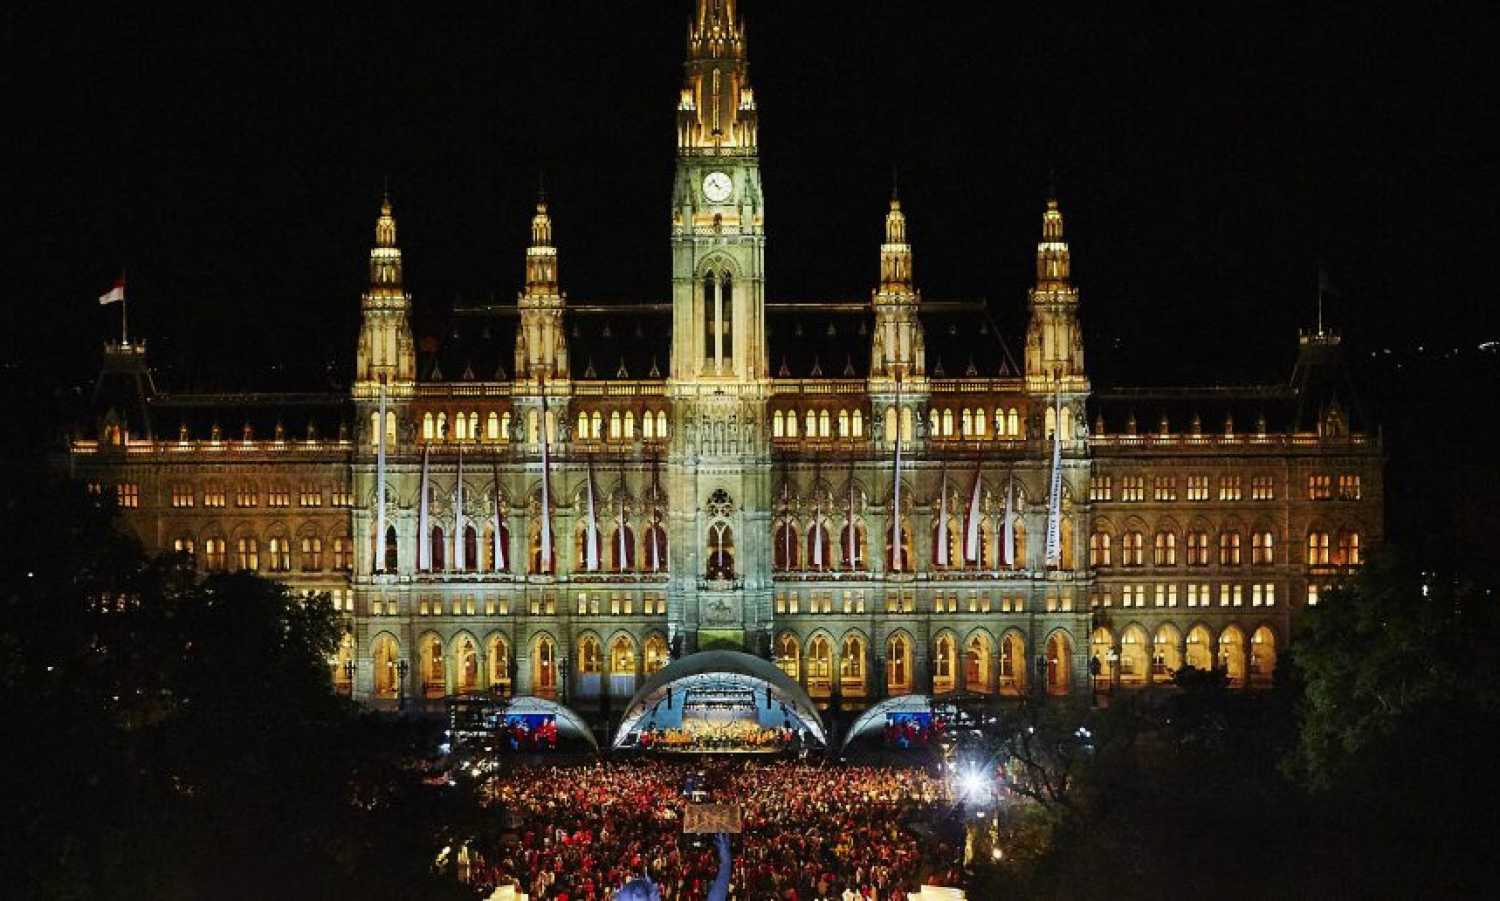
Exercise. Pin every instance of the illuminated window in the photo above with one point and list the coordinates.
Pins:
(1319, 488)
(442, 427)
(791, 423)
(128, 495)
(1132, 549)
(246, 496)
(1165, 552)
(616, 432)
(1262, 488)
(825, 425)
(947, 423)
(249, 554)
(1317, 548)
(1349, 487)
(1262, 548)
(1229, 548)
(1101, 488)
(1231, 595)
(214, 558)
(857, 424)
(1347, 553)
(1312, 595)
(309, 496)
(1197, 595)
(1165, 488)
(278, 497)
(1229, 488)
(213, 496)
(1263, 594)
(661, 424)
(1197, 548)
(428, 430)
(1197, 488)
(596, 427)
(343, 560)
(460, 427)
(1099, 550)
(778, 426)
(966, 422)
(312, 554)
(1133, 596)
(979, 422)
(341, 496)
(281, 555)
(811, 431)
(934, 422)
(1133, 488)
(492, 426)
(182, 496)
(183, 546)
(1013, 423)
(1166, 595)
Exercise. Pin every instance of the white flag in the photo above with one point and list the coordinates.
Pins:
(424, 525)
(942, 534)
(896, 550)
(459, 564)
(591, 537)
(971, 523)
(500, 565)
(817, 537)
(380, 485)
(620, 528)
(546, 528)
(116, 293)
(1054, 502)
(1009, 537)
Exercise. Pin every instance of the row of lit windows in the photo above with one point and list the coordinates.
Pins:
(621, 426)
(215, 556)
(247, 495)
(1195, 594)
(818, 424)
(1198, 546)
(853, 603)
(978, 423)
(1230, 488)
(620, 604)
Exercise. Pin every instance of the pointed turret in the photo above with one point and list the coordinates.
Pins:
(385, 354)
(897, 348)
(717, 109)
(541, 350)
(1054, 339)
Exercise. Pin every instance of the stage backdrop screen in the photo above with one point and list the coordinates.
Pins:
(908, 729)
(531, 731)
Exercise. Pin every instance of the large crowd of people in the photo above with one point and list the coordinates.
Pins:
(810, 830)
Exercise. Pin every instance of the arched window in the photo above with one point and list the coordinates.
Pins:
(622, 656)
(589, 657)
(943, 664)
(1018, 551)
(977, 665)
(249, 554)
(825, 424)
(460, 427)
(791, 423)
(505, 426)
(1262, 657)
(491, 562)
(596, 426)
(1099, 551)
(1232, 655)
(890, 423)
(843, 423)
(442, 427)
(1262, 548)
(1065, 543)
(720, 552)
(1013, 423)
(656, 653)
(812, 424)
(629, 425)
(428, 432)
(434, 668)
(966, 423)
(907, 564)
(934, 422)
(778, 426)
(897, 665)
(498, 655)
(471, 549)
(312, 554)
(625, 562)
(788, 655)
(852, 665)
(1197, 548)
(492, 426)
(1012, 664)
(384, 657)
(544, 667)
(661, 424)
(466, 666)
(214, 555)
(656, 548)
(533, 432)
(615, 432)
(1166, 658)
(1165, 552)
(439, 549)
(1317, 548)
(726, 319)
(710, 320)
(1049, 423)
(784, 554)
(583, 425)
(1132, 549)
(473, 426)
(907, 428)
(1229, 548)
(1133, 662)
(819, 666)
(857, 424)
(1348, 549)
(979, 423)
(818, 557)
(853, 548)
(955, 543)
(1198, 654)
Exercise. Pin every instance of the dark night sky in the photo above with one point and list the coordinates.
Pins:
(1207, 157)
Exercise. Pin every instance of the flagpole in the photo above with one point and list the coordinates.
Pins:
(124, 331)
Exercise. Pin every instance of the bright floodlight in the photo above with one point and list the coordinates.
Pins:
(972, 783)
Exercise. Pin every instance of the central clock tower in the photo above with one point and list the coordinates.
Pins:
(718, 213)
(719, 459)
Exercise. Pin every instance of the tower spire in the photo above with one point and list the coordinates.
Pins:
(1054, 339)
(541, 348)
(717, 106)
(897, 346)
(385, 353)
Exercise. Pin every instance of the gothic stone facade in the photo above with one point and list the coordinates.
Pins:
(738, 504)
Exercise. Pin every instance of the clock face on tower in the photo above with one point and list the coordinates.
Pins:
(717, 187)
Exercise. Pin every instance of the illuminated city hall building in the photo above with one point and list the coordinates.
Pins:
(562, 498)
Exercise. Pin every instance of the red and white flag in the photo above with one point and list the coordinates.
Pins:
(115, 294)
